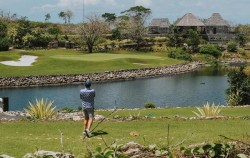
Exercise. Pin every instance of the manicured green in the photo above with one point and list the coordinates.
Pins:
(18, 138)
(63, 61)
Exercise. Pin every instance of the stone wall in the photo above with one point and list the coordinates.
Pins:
(108, 76)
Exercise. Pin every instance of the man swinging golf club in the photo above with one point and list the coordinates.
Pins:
(87, 95)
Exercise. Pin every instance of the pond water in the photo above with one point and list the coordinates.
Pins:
(190, 89)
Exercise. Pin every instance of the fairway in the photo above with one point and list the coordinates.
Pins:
(104, 57)
(64, 61)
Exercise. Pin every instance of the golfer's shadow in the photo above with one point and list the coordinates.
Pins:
(99, 132)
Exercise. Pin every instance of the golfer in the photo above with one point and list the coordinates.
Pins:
(87, 95)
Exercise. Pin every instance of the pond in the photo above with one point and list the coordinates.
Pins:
(189, 89)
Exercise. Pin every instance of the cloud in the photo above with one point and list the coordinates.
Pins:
(145, 3)
(73, 4)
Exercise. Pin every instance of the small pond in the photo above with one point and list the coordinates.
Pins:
(190, 89)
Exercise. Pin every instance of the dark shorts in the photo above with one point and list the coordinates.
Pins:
(88, 113)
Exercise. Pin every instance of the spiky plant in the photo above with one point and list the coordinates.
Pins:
(41, 109)
(208, 110)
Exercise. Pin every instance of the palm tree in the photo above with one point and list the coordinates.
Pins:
(47, 17)
(63, 16)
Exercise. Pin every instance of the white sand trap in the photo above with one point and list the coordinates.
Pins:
(139, 64)
(25, 60)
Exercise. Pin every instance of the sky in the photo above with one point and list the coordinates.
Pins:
(234, 11)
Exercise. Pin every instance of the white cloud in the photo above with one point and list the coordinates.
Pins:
(145, 3)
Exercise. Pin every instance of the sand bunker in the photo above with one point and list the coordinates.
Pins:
(25, 60)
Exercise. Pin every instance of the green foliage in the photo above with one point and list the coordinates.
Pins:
(241, 39)
(208, 111)
(4, 40)
(232, 46)
(55, 30)
(239, 87)
(193, 40)
(175, 39)
(67, 109)
(178, 53)
(3, 29)
(148, 105)
(209, 150)
(109, 152)
(4, 44)
(210, 49)
(41, 109)
(109, 17)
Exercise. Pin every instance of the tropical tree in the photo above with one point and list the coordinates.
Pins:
(175, 39)
(63, 16)
(193, 40)
(109, 17)
(136, 28)
(47, 17)
(92, 30)
(69, 14)
(66, 16)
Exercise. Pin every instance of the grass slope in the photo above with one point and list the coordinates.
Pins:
(61, 61)
(18, 138)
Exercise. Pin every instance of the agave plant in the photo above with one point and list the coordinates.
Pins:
(41, 109)
(208, 110)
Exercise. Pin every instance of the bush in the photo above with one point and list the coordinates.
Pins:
(210, 49)
(178, 53)
(232, 46)
(208, 111)
(4, 44)
(67, 109)
(150, 105)
(41, 109)
(239, 88)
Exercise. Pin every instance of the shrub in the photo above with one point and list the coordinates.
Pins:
(239, 87)
(149, 105)
(210, 49)
(232, 46)
(208, 111)
(67, 109)
(41, 109)
(4, 44)
(178, 53)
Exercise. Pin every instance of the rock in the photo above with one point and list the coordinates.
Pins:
(99, 117)
(76, 118)
(6, 156)
(43, 153)
(27, 81)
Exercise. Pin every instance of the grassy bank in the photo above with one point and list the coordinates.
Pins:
(61, 61)
(18, 138)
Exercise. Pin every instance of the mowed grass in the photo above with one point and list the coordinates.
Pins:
(19, 138)
(62, 61)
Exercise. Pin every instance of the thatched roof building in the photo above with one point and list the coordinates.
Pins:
(217, 29)
(216, 20)
(159, 26)
(189, 20)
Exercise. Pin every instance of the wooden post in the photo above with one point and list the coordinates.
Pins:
(5, 104)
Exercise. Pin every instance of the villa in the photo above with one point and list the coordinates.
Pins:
(214, 29)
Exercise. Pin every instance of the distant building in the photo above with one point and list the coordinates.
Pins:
(214, 29)
(217, 29)
(159, 26)
(189, 21)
